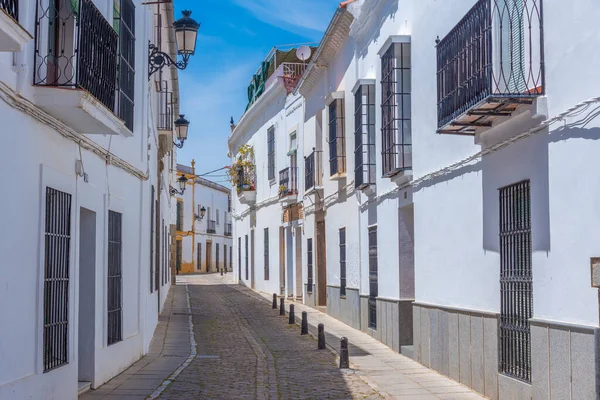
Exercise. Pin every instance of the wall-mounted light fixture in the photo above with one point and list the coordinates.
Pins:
(181, 129)
(202, 214)
(186, 33)
(182, 182)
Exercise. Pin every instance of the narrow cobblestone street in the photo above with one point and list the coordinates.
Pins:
(243, 349)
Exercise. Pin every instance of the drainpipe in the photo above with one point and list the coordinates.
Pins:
(22, 65)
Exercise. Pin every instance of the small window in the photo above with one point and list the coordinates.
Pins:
(115, 278)
(293, 141)
(271, 152)
(337, 138)
(364, 136)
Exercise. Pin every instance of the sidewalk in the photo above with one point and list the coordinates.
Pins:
(391, 374)
(169, 349)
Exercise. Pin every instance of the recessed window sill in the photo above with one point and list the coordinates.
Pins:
(338, 176)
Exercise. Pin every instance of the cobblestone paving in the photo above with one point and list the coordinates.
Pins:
(247, 351)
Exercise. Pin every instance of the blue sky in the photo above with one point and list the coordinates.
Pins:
(235, 36)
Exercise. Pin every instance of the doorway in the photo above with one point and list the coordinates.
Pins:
(282, 261)
(299, 291)
(321, 265)
(87, 294)
(208, 256)
(289, 245)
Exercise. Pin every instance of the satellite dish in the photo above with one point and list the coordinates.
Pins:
(303, 53)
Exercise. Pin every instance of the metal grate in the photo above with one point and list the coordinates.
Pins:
(337, 138)
(516, 281)
(231, 258)
(211, 226)
(126, 76)
(199, 256)
(288, 181)
(247, 272)
(115, 278)
(342, 236)
(179, 250)
(217, 254)
(179, 221)
(224, 257)
(228, 229)
(309, 265)
(496, 50)
(364, 136)
(152, 237)
(239, 250)
(396, 130)
(373, 278)
(165, 108)
(271, 152)
(56, 278)
(266, 244)
(157, 241)
(11, 7)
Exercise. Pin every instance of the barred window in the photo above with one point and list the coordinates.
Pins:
(126, 75)
(373, 278)
(247, 272)
(199, 255)
(516, 281)
(266, 241)
(271, 151)
(152, 237)
(342, 239)
(231, 258)
(180, 215)
(396, 109)
(224, 257)
(337, 138)
(364, 136)
(239, 258)
(309, 265)
(157, 268)
(217, 253)
(115, 278)
(56, 278)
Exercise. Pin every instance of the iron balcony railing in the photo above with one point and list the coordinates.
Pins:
(228, 230)
(211, 227)
(288, 181)
(75, 46)
(165, 111)
(495, 51)
(11, 7)
(313, 170)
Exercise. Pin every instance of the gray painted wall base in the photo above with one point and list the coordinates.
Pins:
(347, 308)
(394, 321)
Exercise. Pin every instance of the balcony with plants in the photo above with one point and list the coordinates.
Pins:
(84, 67)
(288, 185)
(490, 67)
(242, 174)
(13, 37)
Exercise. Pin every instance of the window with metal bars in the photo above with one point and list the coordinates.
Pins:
(247, 272)
(180, 215)
(224, 257)
(115, 278)
(179, 250)
(396, 127)
(231, 258)
(163, 261)
(157, 267)
(199, 256)
(266, 244)
(337, 138)
(364, 136)
(373, 278)
(126, 75)
(309, 265)
(56, 278)
(217, 253)
(271, 152)
(516, 281)
(342, 238)
(152, 227)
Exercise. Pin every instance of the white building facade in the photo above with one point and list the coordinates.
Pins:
(91, 138)
(460, 252)
(203, 223)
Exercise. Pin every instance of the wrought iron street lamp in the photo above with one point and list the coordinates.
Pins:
(186, 33)
(181, 129)
(202, 214)
(182, 182)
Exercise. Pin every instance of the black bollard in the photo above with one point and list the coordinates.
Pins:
(274, 300)
(221, 272)
(304, 328)
(321, 337)
(292, 319)
(344, 357)
(281, 307)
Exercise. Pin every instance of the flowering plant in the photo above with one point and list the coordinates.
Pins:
(242, 171)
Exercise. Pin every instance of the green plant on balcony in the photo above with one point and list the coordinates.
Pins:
(242, 171)
(282, 191)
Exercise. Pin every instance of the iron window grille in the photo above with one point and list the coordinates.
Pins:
(199, 256)
(157, 255)
(217, 253)
(126, 74)
(179, 216)
(224, 257)
(231, 258)
(266, 244)
(309, 265)
(75, 46)
(337, 138)
(373, 278)
(56, 278)
(152, 228)
(313, 170)
(165, 109)
(239, 258)
(11, 7)
(247, 272)
(396, 127)
(516, 281)
(211, 226)
(496, 50)
(158, 258)
(228, 230)
(342, 238)
(364, 136)
(179, 250)
(164, 253)
(271, 152)
(288, 181)
(115, 278)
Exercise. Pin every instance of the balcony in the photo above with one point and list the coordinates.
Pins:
(490, 66)
(313, 172)
(211, 226)
(80, 77)
(13, 37)
(245, 184)
(228, 230)
(166, 116)
(288, 185)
